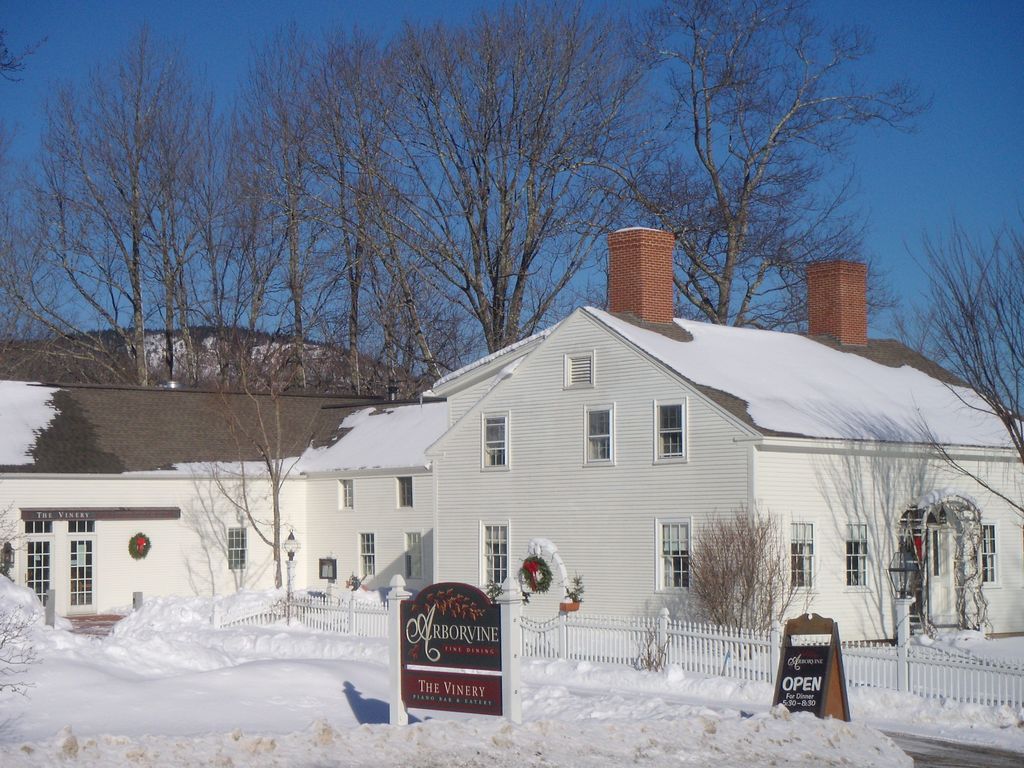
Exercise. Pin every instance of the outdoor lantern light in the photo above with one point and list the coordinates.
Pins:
(901, 573)
(291, 545)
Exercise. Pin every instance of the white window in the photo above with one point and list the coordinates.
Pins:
(802, 555)
(674, 546)
(579, 370)
(404, 491)
(413, 555)
(236, 549)
(599, 422)
(348, 494)
(856, 555)
(367, 555)
(670, 430)
(495, 439)
(495, 554)
(81, 526)
(988, 554)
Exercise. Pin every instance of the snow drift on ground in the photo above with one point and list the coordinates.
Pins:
(167, 689)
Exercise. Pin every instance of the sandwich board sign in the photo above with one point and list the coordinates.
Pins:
(453, 653)
(811, 676)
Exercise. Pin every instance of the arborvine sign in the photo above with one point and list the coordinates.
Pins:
(811, 676)
(454, 650)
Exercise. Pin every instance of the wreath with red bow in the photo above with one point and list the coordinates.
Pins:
(535, 574)
(139, 546)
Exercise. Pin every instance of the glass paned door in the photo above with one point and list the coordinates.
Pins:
(80, 591)
(38, 577)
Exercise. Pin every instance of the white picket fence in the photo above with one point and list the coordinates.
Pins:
(700, 648)
(348, 617)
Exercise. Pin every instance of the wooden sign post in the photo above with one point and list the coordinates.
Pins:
(811, 676)
(453, 649)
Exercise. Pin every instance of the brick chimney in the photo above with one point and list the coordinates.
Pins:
(837, 303)
(640, 273)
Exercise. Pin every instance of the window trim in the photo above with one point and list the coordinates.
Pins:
(659, 556)
(244, 549)
(587, 410)
(683, 404)
(864, 557)
(363, 575)
(811, 569)
(994, 554)
(567, 364)
(483, 569)
(483, 441)
(347, 486)
(398, 492)
(407, 568)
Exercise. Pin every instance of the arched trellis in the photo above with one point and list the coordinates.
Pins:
(950, 507)
(548, 550)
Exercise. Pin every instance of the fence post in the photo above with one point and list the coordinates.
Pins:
(399, 715)
(51, 608)
(218, 617)
(774, 650)
(563, 635)
(352, 608)
(903, 643)
(136, 600)
(511, 603)
(663, 633)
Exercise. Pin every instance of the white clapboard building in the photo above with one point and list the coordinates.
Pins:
(606, 443)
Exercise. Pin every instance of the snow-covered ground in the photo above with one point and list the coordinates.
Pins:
(165, 689)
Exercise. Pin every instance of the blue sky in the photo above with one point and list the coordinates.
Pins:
(966, 159)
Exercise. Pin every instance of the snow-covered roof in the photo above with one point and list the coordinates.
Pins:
(381, 438)
(26, 409)
(504, 351)
(796, 385)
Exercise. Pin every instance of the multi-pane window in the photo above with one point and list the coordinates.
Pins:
(367, 555)
(599, 435)
(675, 555)
(579, 370)
(413, 555)
(38, 526)
(348, 494)
(988, 554)
(671, 427)
(495, 554)
(405, 491)
(856, 555)
(236, 549)
(802, 555)
(496, 441)
(81, 526)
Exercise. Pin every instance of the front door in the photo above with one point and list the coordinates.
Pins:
(37, 576)
(942, 608)
(80, 570)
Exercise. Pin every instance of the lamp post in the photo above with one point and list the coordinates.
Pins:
(902, 571)
(290, 546)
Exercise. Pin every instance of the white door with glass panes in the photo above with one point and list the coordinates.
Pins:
(38, 556)
(81, 565)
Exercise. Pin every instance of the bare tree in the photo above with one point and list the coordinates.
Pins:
(499, 130)
(13, 63)
(100, 204)
(16, 650)
(977, 328)
(763, 101)
(740, 571)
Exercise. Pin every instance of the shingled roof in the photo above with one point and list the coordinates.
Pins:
(110, 429)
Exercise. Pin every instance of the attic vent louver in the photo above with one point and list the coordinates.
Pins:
(579, 370)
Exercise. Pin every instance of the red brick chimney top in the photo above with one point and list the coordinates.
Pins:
(640, 273)
(837, 301)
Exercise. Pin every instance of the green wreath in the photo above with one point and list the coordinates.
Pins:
(535, 573)
(139, 546)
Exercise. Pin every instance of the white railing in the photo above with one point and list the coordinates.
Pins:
(349, 617)
(637, 641)
(701, 648)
